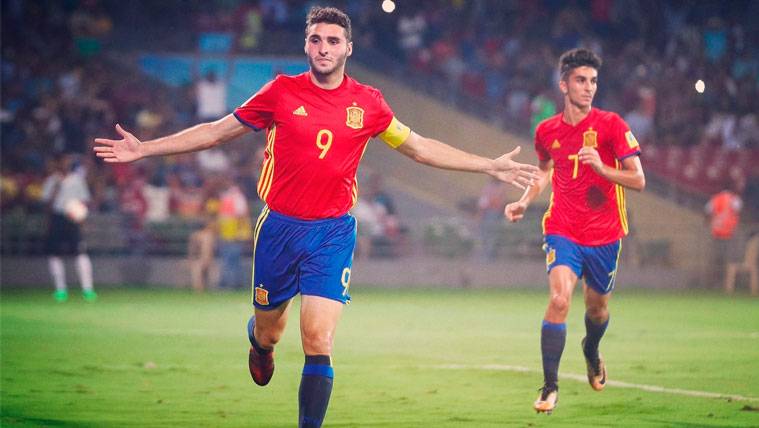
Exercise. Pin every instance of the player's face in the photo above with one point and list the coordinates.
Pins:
(327, 49)
(579, 87)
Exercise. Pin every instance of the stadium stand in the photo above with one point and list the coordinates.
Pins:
(69, 69)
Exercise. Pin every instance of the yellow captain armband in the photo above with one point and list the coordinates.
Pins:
(395, 134)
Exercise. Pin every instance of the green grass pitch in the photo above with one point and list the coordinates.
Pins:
(403, 358)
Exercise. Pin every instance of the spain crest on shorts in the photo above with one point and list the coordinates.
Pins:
(355, 117)
(550, 257)
(261, 295)
(590, 138)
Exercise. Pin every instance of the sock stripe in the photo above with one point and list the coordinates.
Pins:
(318, 370)
(553, 326)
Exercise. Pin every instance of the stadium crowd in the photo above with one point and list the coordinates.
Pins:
(64, 82)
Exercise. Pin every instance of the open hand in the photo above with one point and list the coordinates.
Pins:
(517, 174)
(126, 149)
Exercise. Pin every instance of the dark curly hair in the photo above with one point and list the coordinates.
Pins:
(579, 57)
(330, 15)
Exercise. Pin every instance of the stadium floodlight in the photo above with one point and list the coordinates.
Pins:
(388, 6)
(700, 86)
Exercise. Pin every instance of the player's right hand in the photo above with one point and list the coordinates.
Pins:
(515, 211)
(125, 150)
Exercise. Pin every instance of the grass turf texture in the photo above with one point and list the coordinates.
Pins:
(170, 358)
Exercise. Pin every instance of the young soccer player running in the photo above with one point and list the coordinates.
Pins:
(317, 125)
(590, 156)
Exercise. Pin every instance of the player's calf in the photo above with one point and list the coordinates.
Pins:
(260, 360)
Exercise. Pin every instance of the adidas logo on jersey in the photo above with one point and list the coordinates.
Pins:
(300, 111)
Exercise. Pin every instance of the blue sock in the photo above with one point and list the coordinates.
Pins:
(315, 389)
(593, 334)
(552, 340)
(252, 338)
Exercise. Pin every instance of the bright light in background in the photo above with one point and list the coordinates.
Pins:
(388, 6)
(700, 86)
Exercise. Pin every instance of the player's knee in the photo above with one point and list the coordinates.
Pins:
(268, 339)
(317, 342)
(597, 314)
(559, 304)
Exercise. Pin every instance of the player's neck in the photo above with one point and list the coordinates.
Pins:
(574, 114)
(328, 81)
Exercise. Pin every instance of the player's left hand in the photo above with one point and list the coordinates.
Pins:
(589, 156)
(517, 174)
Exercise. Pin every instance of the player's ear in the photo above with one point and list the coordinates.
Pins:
(305, 46)
(350, 48)
(563, 86)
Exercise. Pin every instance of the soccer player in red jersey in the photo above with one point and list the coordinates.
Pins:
(590, 156)
(317, 126)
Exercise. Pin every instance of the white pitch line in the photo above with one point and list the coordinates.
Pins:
(615, 383)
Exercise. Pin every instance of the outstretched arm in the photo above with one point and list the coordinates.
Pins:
(198, 137)
(631, 175)
(515, 210)
(440, 155)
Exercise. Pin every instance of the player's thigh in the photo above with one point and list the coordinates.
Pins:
(326, 271)
(318, 321)
(563, 263)
(600, 266)
(275, 261)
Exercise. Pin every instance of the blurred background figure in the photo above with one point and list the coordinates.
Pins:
(490, 216)
(235, 231)
(723, 212)
(204, 270)
(66, 193)
(211, 94)
(380, 233)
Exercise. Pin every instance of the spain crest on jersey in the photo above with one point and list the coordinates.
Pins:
(262, 295)
(355, 117)
(590, 138)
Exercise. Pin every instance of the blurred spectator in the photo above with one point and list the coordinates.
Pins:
(234, 231)
(411, 33)
(204, 270)
(490, 207)
(157, 197)
(641, 119)
(542, 107)
(723, 212)
(380, 232)
(251, 27)
(65, 190)
(211, 94)
(134, 208)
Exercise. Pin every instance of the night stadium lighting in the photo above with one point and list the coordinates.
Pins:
(700, 86)
(388, 6)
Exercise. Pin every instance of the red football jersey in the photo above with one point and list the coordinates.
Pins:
(585, 207)
(315, 140)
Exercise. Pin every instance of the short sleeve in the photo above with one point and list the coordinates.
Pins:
(624, 143)
(540, 148)
(258, 111)
(384, 116)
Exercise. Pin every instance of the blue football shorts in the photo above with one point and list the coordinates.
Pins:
(310, 257)
(598, 264)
